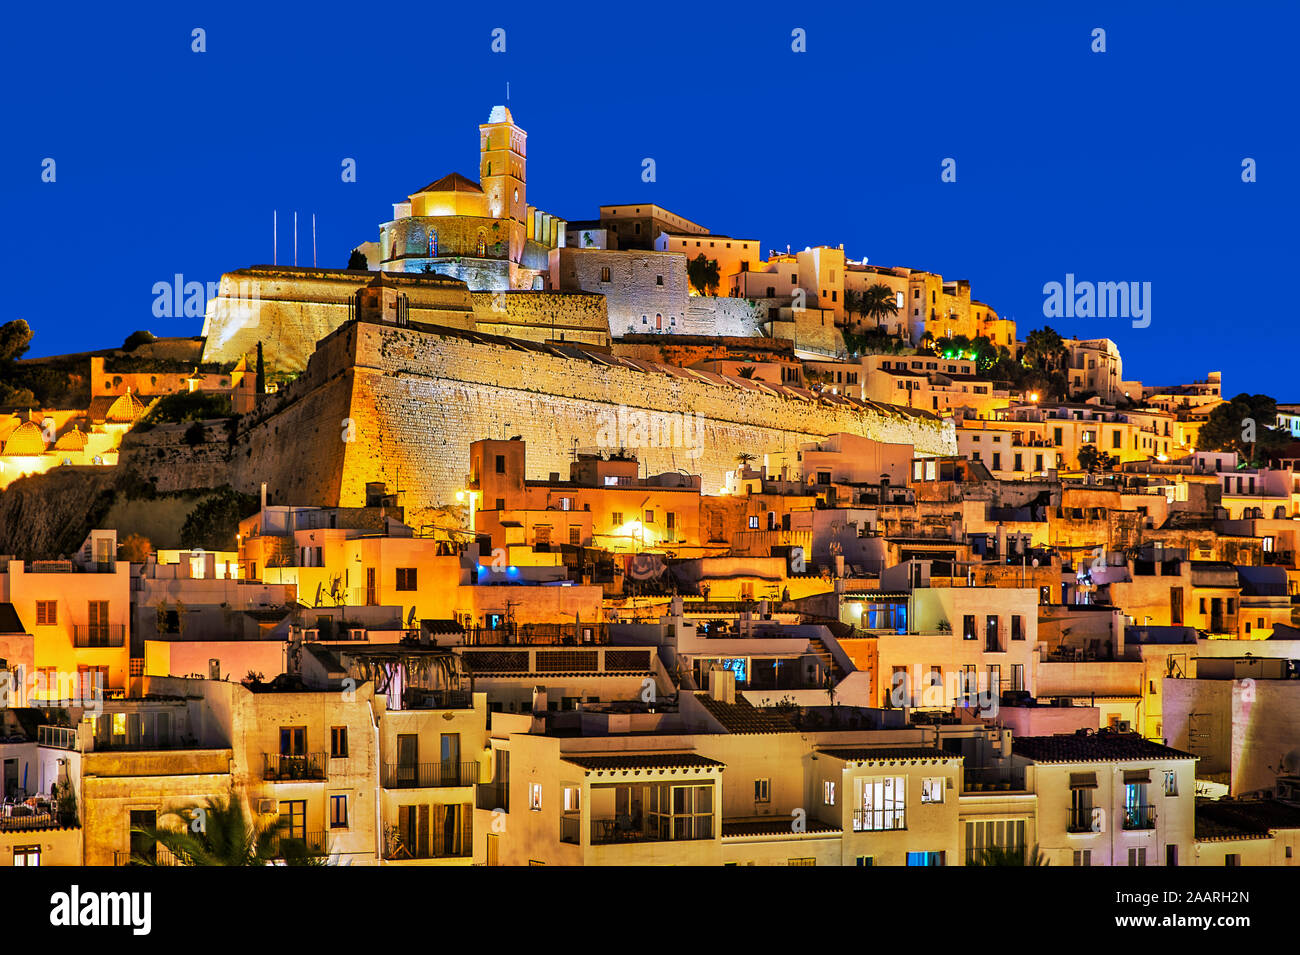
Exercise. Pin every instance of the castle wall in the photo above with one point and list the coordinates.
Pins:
(417, 398)
(577, 317)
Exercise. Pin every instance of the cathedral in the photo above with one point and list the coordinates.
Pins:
(484, 233)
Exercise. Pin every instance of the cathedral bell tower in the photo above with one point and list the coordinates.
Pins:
(502, 152)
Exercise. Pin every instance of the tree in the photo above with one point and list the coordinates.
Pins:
(1244, 425)
(357, 261)
(212, 525)
(1093, 459)
(998, 855)
(15, 339)
(879, 302)
(196, 434)
(138, 338)
(1045, 350)
(136, 548)
(703, 274)
(218, 832)
(746, 372)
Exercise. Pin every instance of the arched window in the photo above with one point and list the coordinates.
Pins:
(482, 245)
(433, 243)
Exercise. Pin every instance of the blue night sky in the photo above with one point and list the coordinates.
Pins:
(1122, 166)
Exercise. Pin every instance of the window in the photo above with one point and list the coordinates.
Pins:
(1137, 857)
(753, 522)
(932, 789)
(883, 805)
(925, 858)
(501, 464)
(572, 799)
(803, 861)
(339, 742)
(575, 536)
(994, 834)
(338, 811)
(27, 855)
(1083, 857)
(1171, 783)
(47, 613)
(293, 817)
(604, 274)
(866, 860)
(659, 280)
(649, 517)
(616, 518)
(1171, 854)
(1232, 859)
(293, 740)
(1017, 627)
(535, 797)
(828, 793)
(762, 790)
(968, 626)
(406, 578)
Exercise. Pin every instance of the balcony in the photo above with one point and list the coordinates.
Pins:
(1139, 817)
(159, 855)
(878, 820)
(430, 775)
(279, 768)
(297, 845)
(98, 635)
(1080, 820)
(618, 829)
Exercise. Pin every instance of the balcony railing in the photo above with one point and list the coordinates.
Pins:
(878, 820)
(23, 821)
(623, 828)
(278, 767)
(429, 775)
(98, 635)
(493, 796)
(296, 845)
(1139, 817)
(1080, 820)
(159, 855)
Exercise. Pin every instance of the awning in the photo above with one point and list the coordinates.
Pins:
(1132, 776)
(1083, 780)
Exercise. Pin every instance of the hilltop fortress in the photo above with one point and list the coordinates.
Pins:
(399, 402)
(478, 315)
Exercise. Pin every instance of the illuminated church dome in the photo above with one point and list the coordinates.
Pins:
(27, 439)
(74, 440)
(452, 195)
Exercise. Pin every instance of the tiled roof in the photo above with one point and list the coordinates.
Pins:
(864, 753)
(776, 826)
(644, 761)
(1244, 818)
(1100, 747)
(743, 718)
(452, 182)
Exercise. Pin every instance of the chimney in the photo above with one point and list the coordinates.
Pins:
(722, 685)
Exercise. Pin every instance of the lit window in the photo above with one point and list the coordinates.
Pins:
(535, 797)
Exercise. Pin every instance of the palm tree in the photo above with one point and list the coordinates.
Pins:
(879, 302)
(746, 372)
(998, 855)
(219, 832)
(743, 458)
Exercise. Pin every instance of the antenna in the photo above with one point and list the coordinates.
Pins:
(275, 237)
(507, 92)
(295, 239)
(313, 240)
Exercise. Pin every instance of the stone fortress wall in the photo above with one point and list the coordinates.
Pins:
(412, 399)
